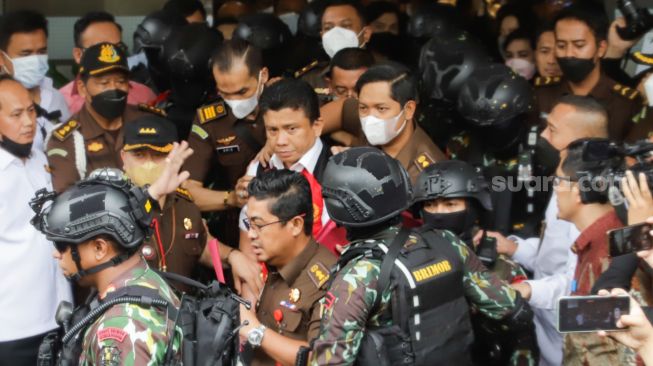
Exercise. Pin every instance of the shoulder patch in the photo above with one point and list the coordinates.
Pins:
(318, 273)
(57, 152)
(301, 72)
(199, 131)
(211, 112)
(148, 108)
(116, 334)
(423, 160)
(109, 356)
(184, 193)
(547, 80)
(65, 130)
(625, 91)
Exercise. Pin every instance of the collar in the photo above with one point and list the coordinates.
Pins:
(90, 128)
(6, 159)
(291, 271)
(413, 147)
(307, 161)
(600, 91)
(130, 275)
(597, 231)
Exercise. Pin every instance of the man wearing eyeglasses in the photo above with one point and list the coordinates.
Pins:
(279, 224)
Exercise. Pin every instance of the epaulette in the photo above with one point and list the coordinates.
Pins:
(151, 109)
(184, 193)
(547, 80)
(423, 160)
(625, 91)
(65, 130)
(319, 274)
(211, 112)
(301, 72)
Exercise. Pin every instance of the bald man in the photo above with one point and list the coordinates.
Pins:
(550, 257)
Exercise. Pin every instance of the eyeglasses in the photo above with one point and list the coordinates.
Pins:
(257, 227)
(61, 246)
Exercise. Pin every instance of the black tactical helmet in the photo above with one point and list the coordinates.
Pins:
(494, 95)
(187, 54)
(105, 203)
(446, 64)
(150, 36)
(433, 20)
(265, 31)
(452, 179)
(363, 187)
(310, 19)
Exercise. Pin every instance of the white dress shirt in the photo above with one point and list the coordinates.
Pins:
(51, 100)
(32, 284)
(308, 161)
(553, 264)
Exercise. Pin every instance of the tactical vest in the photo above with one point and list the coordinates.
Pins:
(430, 316)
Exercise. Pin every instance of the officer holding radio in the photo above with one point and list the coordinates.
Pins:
(453, 195)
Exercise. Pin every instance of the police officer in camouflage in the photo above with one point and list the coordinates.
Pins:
(373, 317)
(97, 227)
(453, 195)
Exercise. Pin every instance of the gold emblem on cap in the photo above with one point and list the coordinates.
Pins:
(188, 224)
(147, 131)
(294, 295)
(108, 54)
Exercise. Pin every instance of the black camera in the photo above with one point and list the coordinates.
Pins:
(638, 20)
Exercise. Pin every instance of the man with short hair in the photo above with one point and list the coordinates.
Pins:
(582, 198)
(93, 137)
(93, 28)
(24, 45)
(192, 10)
(580, 34)
(549, 257)
(32, 285)
(345, 69)
(279, 225)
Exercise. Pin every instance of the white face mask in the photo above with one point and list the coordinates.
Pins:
(648, 90)
(522, 67)
(381, 131)
(30, 70)
(338, 38)
(244, 107)
(291, 20)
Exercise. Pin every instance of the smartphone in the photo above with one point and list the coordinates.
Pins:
(591, 313)
(630, 239)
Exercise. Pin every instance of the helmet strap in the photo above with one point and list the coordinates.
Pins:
(83, 272)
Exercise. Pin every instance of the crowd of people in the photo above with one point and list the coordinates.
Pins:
(370, 182)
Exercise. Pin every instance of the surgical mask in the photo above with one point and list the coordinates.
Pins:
(144, 174)
(291, 20)
(338, 38)
(522, 67)
(381, 131)
(30, 70)
(244, 107)
(16, 149)
(110, 104)
(648, 90)
(576, 69)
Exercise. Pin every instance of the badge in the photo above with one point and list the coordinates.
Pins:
(228, 149)
(109, 356)
(187, 223)
(147, 131)
(108, 54)
(191, 235)
(95, 146)
(148, 252)
(294, 295)
(227, 140)
(116, 334)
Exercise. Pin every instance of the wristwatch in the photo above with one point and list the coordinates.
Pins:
(255, 336)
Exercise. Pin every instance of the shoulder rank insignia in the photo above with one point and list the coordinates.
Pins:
(423, 160)
(211, 112)
(148, 108)
(184, 193)
(547, 80)
(65, 130)
(321, 91)
(625, 91)
(319, 274)
(301, 72)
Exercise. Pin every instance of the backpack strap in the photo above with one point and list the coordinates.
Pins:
(388, 263)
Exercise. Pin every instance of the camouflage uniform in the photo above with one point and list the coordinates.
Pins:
(128, 334)
(352, 294)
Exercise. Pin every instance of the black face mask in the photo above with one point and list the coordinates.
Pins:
(547, 157)
(576, 69)
(16, 149)
(454, 221)
(110, 104)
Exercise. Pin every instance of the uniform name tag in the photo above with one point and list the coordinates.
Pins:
(228, 149)
(432, 270)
